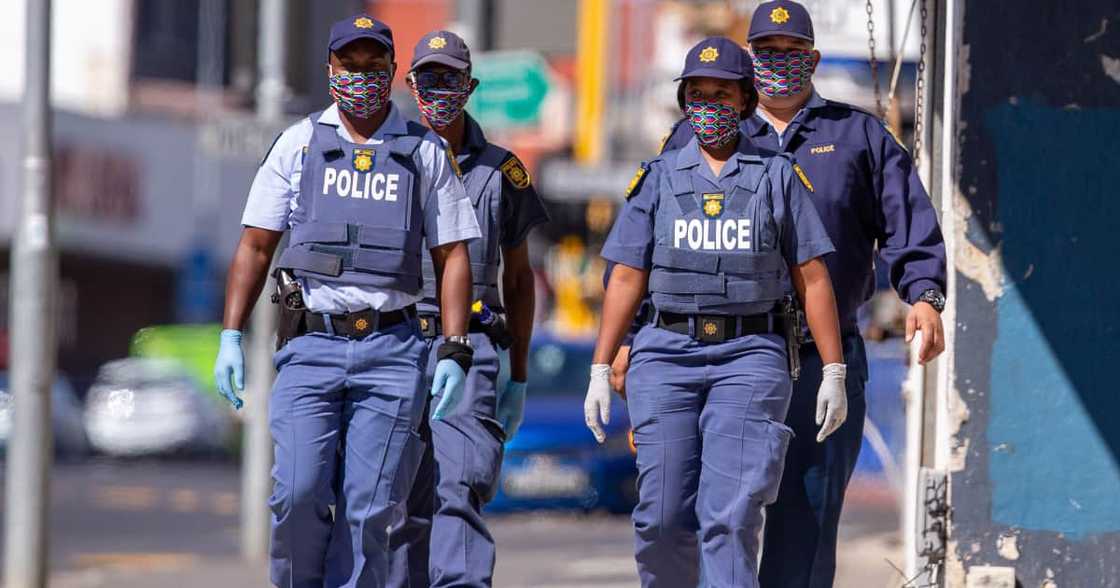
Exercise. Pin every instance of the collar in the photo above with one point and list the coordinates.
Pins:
(394, 124)
(758, 123)
(473, 137)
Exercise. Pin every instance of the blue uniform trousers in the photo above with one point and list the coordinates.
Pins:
(707, 421)
(343, 417)
(443, 540)
(799, 548)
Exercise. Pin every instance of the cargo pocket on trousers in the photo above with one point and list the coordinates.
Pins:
(779, 437)
(406, 470)
(485, 461)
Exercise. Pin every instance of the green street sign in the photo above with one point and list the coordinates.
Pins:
(512, 88)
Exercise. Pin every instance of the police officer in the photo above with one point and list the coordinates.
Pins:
(867, 191)
(444, 541)
(360, 189)
(716, 233)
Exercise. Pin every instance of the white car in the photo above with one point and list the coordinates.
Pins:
(141, 406)
(66, 418)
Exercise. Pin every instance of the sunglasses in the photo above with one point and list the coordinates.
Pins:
(440, 79)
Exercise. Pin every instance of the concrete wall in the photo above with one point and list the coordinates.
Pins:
(1036, 482)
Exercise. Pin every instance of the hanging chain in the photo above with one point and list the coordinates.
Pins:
(873, 61)
(920, 89)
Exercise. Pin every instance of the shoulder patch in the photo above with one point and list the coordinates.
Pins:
(636, 181)
(515, 172)
(804, 178)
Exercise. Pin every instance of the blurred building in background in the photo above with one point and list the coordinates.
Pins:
(156, 144)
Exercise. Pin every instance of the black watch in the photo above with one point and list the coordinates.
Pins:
(934, 298)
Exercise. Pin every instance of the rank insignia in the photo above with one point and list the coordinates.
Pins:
(709, 54)
(361, 324)
(363, 159)
(635, 181)
(804, 178)
(437, 43)
(363, 22)
(713, 204)
(779, 15)
(515, 172)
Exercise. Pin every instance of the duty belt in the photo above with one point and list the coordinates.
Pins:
(355, 325)
(717, 328)
(431, 326)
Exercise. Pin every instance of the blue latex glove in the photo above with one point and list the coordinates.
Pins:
(450, 380)
(230, 363)
(511, 407)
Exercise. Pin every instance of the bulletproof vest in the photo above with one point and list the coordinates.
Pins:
(716, 252)
(483, 182)
(358, 220)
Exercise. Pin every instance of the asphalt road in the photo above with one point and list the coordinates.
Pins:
(170, 524)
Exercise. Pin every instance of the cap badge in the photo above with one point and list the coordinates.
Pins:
(363, 22)
(713, 204)
(779, 15)
(709, 54)
(437, 43)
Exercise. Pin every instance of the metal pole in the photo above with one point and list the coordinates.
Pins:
(256, 452)
(32, 320)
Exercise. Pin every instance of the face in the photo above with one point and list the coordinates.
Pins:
(727, 92)
(441, 93)
(360, 74)
(361, 56)
(784, 44)
(435, 76)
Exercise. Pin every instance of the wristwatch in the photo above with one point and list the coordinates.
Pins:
(934, 298)
(460, 339)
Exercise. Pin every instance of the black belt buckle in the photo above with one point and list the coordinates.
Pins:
(712, 329)
(429, 326)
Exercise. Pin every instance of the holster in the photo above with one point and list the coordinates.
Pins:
(498, 331)
(791, 308)
(289, 296)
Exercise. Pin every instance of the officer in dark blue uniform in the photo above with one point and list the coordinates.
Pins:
(867, 191)
(363, 192)
(717, 235)
(443, 540)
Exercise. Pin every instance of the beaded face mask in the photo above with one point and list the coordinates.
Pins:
(779, 74)
(714, 123)
(361, 94)
(441, 107)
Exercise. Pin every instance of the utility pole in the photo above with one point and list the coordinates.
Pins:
(256, 450)
(32, 320)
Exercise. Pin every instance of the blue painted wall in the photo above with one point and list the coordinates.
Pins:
(1037, 367)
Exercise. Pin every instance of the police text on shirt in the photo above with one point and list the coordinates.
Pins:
(713, 235)
(352, 184)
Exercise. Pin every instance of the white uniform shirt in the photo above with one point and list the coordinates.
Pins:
(448, 214)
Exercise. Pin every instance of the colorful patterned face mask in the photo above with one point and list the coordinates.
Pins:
(361, 94)
(715, 124)
(441, 107)
(779, 74)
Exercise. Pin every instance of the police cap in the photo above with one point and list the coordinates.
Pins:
(781, 17)
(360, 26)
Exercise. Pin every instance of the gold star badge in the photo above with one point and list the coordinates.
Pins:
(713, 204)
(780, 16)
(363, 159)
(709, 54)
(361, 324)
(437, 43)
(363, 22)
(710, 328)
(516, 173)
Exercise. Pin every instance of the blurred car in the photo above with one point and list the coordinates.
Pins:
(66, 418)
(554, 461)
(141, 406)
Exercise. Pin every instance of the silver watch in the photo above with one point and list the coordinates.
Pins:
(934, 298)
(460, 339)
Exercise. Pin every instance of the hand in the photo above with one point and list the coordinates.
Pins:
(511, 407)
(449, 381)
(925, 318)
(832, 400)
(597, 403)
(230, 364)
(618, 370)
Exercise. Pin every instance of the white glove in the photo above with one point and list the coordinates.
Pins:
(832, 400)
(597, 403)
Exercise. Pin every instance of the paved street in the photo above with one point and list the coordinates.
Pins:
(174, 524)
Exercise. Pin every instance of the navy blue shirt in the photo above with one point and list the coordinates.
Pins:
(866, 190)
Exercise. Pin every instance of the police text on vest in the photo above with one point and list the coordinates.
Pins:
(347, 183)
(713, 235)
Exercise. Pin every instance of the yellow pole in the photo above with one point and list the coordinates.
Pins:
(591, 73)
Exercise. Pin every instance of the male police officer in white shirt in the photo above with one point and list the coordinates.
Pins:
(360, 189)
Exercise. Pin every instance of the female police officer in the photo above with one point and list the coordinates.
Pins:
(360, 188)
(717, 232)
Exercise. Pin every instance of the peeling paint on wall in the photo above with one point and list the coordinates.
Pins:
(985, 269)
(1008, 547)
